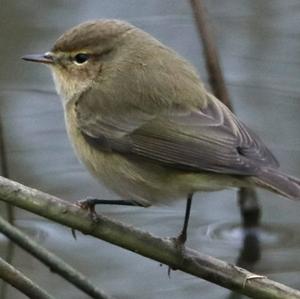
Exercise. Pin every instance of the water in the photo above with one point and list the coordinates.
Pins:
(259, 46)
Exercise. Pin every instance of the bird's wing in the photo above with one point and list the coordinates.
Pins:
(197, 139)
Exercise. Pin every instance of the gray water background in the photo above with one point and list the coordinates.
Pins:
(259, 46)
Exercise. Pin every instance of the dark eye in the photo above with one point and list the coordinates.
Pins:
(81, 58)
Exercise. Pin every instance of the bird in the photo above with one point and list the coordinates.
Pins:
(140, 119)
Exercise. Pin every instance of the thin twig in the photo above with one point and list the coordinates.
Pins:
(216, 79)
(18, 280)
(144, 243)
(4, 170)
(246, 196)
(55, 263)
(9, 254)
(10, 211)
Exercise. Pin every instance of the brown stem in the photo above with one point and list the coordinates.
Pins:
(216, 79)
(217, 83)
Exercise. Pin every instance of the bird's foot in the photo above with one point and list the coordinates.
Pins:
(179, 242)
(89, 205)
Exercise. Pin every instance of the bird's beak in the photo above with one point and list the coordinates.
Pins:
(47, 58)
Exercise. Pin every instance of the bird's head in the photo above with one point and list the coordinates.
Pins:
(78, 56)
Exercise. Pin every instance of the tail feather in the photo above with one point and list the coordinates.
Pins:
(279, 182)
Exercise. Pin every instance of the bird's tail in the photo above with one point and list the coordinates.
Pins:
(279, 182)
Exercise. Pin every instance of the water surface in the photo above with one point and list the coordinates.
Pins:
(259, 46)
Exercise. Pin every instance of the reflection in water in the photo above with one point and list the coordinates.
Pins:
(249, 208)
(268, 240)
(250, 254)
(250, 251)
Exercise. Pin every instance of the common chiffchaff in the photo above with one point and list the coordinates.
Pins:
(142, 122)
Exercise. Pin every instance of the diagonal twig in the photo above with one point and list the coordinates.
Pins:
(144, 243)
(55, 263)
(214, 70)
(18, 280)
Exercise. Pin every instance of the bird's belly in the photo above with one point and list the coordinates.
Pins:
(144, 182)
(140, 180)
(134, 180)
(131, 180)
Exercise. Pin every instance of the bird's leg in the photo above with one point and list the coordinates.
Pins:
(90, 203)
(181, 239)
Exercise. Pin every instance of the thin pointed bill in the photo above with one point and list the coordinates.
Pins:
(46, 58)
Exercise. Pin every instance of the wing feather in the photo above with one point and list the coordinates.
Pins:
(208, 138)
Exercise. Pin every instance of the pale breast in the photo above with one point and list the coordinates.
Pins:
(138, 180)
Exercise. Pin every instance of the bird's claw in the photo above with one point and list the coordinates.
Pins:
(89, 205)
(179, 242)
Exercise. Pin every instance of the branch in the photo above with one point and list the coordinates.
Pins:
(17, 279)
(55, 263)
(10, 212)
(4, 171)
(143, 243)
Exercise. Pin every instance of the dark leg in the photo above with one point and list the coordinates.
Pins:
(180, 240)
(90, 203)
(87, 202)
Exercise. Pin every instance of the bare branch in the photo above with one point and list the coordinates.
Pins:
(55, 263)
(18, 280)
(144, 243)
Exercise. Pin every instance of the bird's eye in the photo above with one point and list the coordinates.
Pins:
(81, 58)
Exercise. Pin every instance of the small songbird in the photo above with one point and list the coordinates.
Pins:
(142, 122)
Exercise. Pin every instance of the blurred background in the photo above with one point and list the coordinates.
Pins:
(259, 46)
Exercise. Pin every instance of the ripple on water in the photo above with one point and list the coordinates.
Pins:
(270, 235)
